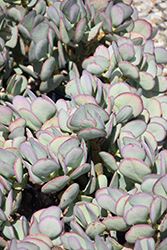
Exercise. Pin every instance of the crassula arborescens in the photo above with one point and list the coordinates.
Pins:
(101, 149)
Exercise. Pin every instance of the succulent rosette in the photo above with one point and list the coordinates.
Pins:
(101, 149)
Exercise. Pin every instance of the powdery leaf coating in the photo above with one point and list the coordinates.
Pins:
(50, 226)
(69, 195)
(40, 31)
(126, 51)
(65, 236)
(144, 27)
(160, 83)
(147, 184)
(155, 209)
(44, 167)
(74, 158)
(80, 30)
(145, 243)
(106, 202)
(118, 88)
(94, 31)
(18, 169)
(95, 68)
(8, 204)
(115, 223)
(24, 245)
(128, 69)
(2, 60)
(85, 213)
(137, 215)
(130, 99)
(41, 237)
(21, 102)
(102, 61)
(24, 31)
(91, 133)
(160, 55)
(95, 228)
(41, 48)
(32, 120)
(74, 13)
(73, 242)
(133, 151)
(7, 157)
(157, 130)
(56, 184)
(17, 123)
(101, 50)
(154, 107)
(82, 99)
(84, 168)
(47, 68)
(55, 144)
(117, 15)
(134, 169)
(141, 199)
(43, 109)
(27, 152)
(136, 127)
(38, 148)
(146, 80)
(159, 188)
(44, 137)
(2, 215)
(107, 24)
(6, 115)
(128, 10)
(124, 114)
(119, 208)
(63, 32)
(27, 21)
(98, 4)
(53, 15)
(51, 84)
(78, 213)
(138, 232)
(32, 242)
(108, 160)
(66, 6)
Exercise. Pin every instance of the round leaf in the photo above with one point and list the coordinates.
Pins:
(133, 151)
(130, 99)
(43, 109)
(115, 223)
(134, 169)
(32, 120)
(95, 228)
(128, 69)
(91, 133)
(47, 68)
(44, 167)
(41, 48)
(80, 30)
(55, 185)
(6, 115)
(157, 130)
(138, 232)
(69, 195)
(137, 215)
(50, 226)
(144, 27)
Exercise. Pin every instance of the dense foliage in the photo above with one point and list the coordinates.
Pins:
(101, 147)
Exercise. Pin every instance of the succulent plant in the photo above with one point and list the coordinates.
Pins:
(101, 149)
